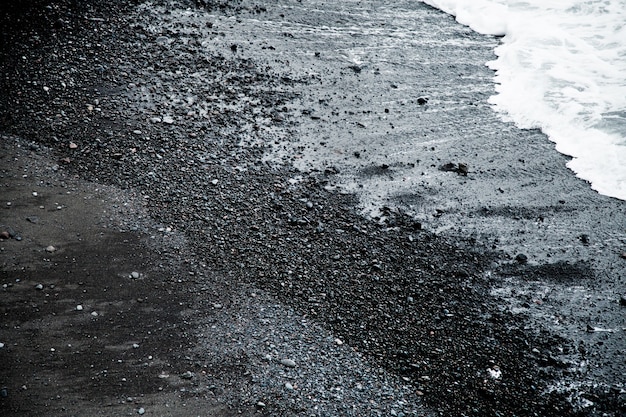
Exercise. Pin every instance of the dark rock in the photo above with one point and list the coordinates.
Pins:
(521, 258)
(422, 100)
(448, 167)
(622, 300)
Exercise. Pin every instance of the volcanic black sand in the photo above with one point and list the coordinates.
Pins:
(198, 218)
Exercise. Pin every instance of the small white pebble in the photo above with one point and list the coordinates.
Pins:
(79, 308)
(35, 194)
(141, 411)
(1, 345)
(134, 275)
(338, 342)
(135, 345)
(51, 249)
(94, 313)
(214, 182)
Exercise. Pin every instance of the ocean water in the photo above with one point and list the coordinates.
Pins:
(561, 67)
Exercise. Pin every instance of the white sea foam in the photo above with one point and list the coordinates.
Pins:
(561, 67)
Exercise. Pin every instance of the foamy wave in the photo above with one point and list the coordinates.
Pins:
(560, 67)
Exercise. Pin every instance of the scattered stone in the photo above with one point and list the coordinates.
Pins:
(214, 182)
(463, 168)
(32, 219)
(288, 363)
(135, 346)
(289, 386)
(338, 342)
(187, 375)
(72, 145)
(422, 100)
(51, 249)
(4, 235)
(141, 411)
(94, 313)
(261, 404)
(622, 300)
(584, 239)
(39, 287)
(137, 132)
(134, 275)
(168, 120)
(79, 307)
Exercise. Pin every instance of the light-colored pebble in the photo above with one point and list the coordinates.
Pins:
(51, 249)
(288, 363)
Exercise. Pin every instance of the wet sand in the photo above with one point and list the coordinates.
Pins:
(302, 236)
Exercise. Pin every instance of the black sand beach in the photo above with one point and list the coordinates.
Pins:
(296, 208)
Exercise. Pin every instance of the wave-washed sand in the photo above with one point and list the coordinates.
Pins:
(293, 208)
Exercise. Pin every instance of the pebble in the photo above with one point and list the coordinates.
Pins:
(134, 275)
(94, 313)
(135, 346)
(187, 375)
(5, 235)
(214, 182)
(51, 249)
(622, 300)
(168, 120)
(338, 342)
(288, 363)
(521, 258)
(39, 287)
(260, 404)
(79, 308)
(137, 132)
(141, 411)
(289, 386)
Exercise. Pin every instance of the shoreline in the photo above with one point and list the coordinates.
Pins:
(424, 311)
